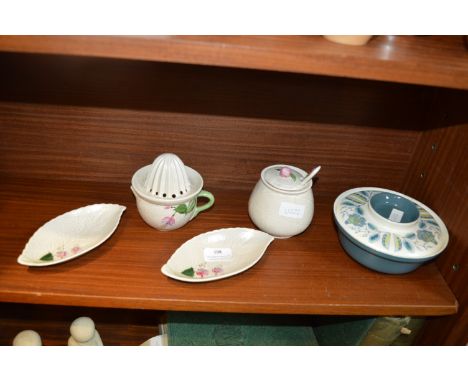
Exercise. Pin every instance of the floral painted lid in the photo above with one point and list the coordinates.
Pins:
(284, 177)
(390, 223)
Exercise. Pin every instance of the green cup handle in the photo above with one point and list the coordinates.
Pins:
(203, 207)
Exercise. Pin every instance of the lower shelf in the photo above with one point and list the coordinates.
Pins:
(307, 274)
(115, 326)
(134, 327)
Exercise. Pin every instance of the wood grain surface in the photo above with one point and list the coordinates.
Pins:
(428, 60)
(438, 176)
(307, 274)
(96, 144)
(207, 90)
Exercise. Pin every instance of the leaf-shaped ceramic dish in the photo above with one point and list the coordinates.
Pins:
(217, 254)
(71, 235)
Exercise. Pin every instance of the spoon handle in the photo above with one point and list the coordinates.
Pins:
(311, 175)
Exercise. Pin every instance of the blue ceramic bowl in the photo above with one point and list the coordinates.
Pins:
(384, 204)
(387, 231)
(373, 260)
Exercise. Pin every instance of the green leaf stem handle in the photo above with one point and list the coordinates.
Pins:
(203, 207)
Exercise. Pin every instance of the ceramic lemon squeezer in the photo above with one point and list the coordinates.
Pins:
(166, 193)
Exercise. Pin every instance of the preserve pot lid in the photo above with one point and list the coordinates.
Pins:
(285, 178)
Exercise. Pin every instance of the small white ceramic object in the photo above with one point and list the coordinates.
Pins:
(166, 193)
(71, 235)
(27, 338)
(83, 333)
(217, 254)
(160, 340)
(280, 204)
(349, 39)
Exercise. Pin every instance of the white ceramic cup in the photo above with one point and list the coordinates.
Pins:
(166, 216)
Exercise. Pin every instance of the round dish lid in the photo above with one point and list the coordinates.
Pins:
(284, 177)
(391, 223)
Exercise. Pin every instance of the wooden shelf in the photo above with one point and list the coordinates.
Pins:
(94, 109)
(307, 274)
(423, 60)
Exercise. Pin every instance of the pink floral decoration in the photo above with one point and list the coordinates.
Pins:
(169, 220)
(75, 250)
(285, 172)
(202, 272)
(61, 254)
(217, 270)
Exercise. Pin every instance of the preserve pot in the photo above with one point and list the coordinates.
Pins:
(280, 204)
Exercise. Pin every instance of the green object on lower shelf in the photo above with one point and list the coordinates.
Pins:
(363, 331)
(341, 331)
(210, 329)
(188, 328)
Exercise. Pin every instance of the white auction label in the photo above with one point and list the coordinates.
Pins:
(396, 215)
(291, 210)
(217, 254)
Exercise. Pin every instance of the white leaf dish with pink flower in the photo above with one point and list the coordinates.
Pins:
(71, 235)
(217, 254)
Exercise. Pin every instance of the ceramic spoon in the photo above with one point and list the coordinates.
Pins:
(311, 175)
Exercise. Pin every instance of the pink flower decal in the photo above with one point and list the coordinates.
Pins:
(75, 250)
(202, 272)
(61, 254)
(217, 270)
(168, 220)
(285, 172)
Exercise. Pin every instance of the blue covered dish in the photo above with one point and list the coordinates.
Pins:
(388, 231)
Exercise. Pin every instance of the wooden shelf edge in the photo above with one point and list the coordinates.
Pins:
(429, 60)
(228, 307)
